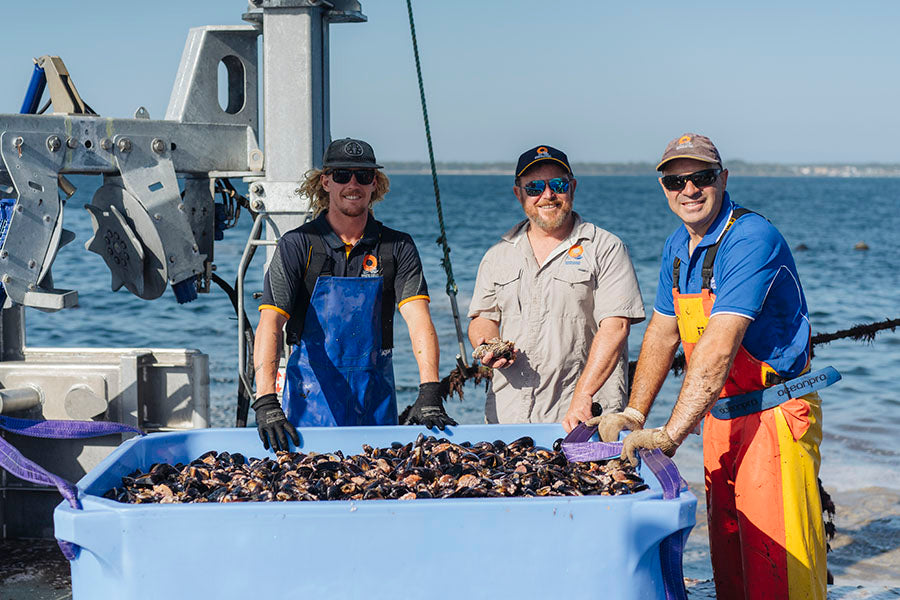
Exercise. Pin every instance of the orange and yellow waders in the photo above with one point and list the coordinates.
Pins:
(766, 534)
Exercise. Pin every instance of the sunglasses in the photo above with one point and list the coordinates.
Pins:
(558, 185)
(363, 176)
(676, 183)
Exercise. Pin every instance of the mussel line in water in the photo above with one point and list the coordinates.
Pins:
(426, 468)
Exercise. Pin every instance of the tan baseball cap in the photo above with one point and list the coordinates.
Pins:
(691, 145)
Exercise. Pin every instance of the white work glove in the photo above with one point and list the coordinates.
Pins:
(609, 426)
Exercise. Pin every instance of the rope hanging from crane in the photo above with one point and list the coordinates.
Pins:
(453, 383)
(452, 290)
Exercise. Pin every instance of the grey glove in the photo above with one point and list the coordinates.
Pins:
(609, 426)
(648, 439)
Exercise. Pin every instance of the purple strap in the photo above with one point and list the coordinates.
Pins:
(671, 551)
(16, 463)
(587, 451)
(581, 433)
(665, 470)
(13, 461)
(577, 448)
(65, 430)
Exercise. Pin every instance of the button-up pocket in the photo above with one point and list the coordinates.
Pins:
(508, 287)
(574, 291)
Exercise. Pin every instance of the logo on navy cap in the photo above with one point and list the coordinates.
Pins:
(353, 148)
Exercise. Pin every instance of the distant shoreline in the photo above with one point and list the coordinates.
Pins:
(736, 167)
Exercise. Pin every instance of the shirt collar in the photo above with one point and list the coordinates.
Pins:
(370, 237)
(715, 230)
(580, 230)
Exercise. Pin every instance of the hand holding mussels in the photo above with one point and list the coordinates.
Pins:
(427, 468)
(495, 347)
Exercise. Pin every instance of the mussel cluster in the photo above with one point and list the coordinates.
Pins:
(426, 468)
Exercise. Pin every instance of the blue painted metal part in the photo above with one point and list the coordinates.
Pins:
(185, 290)
(6, 210)
(35, 91)
(569, 547)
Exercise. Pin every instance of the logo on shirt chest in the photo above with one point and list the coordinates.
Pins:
(574, 255)
(370, 266)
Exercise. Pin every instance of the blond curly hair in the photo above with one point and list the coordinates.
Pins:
(318, 196)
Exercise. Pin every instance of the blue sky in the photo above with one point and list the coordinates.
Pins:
(605, 81)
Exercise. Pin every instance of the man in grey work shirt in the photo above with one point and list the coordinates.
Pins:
(565, 293)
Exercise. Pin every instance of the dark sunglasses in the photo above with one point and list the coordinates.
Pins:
(363, 176)
(558, 185)
(676, 183)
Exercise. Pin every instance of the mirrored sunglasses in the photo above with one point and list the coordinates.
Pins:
(676, 183)
(363, 176)
(558, 185)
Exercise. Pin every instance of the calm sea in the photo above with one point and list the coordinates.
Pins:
(843, 287)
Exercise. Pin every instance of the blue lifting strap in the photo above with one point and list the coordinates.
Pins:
(753, 402)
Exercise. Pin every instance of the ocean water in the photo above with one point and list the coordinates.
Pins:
(843, 287)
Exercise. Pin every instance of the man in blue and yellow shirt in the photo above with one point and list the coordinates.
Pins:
(730, 294)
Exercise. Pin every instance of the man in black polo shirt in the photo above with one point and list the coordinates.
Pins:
(335, 282)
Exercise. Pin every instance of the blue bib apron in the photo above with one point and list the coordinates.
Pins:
(339, 375)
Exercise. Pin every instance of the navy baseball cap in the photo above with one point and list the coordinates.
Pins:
(348, 153)
(537, 154)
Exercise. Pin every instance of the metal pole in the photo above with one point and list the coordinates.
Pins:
(18, 399)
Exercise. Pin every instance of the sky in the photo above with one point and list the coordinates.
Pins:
(788, 82)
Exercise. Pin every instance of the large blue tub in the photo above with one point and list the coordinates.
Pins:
(546, 547)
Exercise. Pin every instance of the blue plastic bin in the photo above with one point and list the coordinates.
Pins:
(545, 547)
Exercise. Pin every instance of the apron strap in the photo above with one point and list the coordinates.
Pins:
(388, 294)
(318, 263)
(676, 274)
(710, 257)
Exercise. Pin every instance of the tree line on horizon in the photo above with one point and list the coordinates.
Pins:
(736, 167)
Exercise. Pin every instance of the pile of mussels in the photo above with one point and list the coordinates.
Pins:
(427, 468)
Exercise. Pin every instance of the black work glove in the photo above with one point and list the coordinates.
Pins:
(272, 425)
(429, 408)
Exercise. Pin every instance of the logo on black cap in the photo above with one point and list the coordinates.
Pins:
(353, 148)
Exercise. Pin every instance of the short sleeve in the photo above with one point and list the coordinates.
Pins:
(284, 277)
(484, 298)
(664, 304)
(409, 281)
(745, 269)
(617, 293)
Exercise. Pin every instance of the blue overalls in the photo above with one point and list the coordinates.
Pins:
(341, 373)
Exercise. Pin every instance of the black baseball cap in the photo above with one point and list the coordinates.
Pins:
(348, 153)
(537, 154)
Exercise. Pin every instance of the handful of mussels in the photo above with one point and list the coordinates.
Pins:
(426, 468)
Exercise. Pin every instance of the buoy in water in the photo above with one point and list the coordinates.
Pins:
(801, 247)
(861, 246)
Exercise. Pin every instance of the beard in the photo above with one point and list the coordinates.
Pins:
(550, 224)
